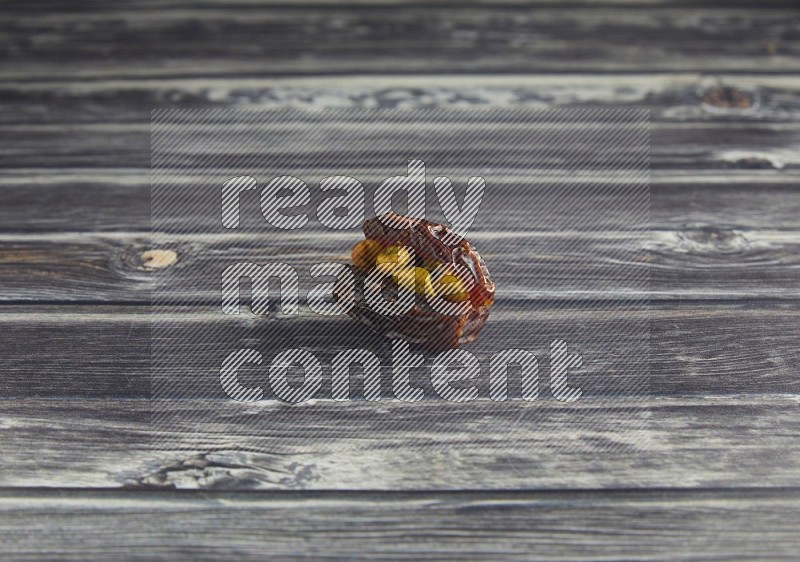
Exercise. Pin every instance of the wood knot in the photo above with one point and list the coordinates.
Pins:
(225, 470)
(158, 259)
(713, 240)
(752, 160)
(727, 97)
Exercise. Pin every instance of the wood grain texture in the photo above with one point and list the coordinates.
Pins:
(708, 262)
(696, 349)
(96, 201)
(702, 525)
(685, 96)
(101, 201)
(692, 146)
(698, 442)
(77, 83)
(141, 39)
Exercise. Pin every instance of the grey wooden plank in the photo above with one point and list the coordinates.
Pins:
(690, 146)
(652, 525)
(696, 349)
(707, 441)
(683, 96)
(707, 262)
(98, 201)
(142, 39)
(701, 525)
(68, 7)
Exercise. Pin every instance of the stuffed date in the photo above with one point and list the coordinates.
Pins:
(419, 281)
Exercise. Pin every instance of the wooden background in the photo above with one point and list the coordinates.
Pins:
(80, 478)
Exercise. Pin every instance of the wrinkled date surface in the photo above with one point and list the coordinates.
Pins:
(447, 283)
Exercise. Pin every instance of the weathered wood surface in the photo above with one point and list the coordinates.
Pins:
(78, 82)
(693, 525)
(713, 145)
(670, 97)
(141, 39)
(693, 263)
(708, 441)
(57, 201)
(735, 348)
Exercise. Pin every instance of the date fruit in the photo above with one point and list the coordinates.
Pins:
(433, 263)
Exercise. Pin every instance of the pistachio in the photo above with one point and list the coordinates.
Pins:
(392, 257)
(365, 253)
(451, 288)
(417, 279)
